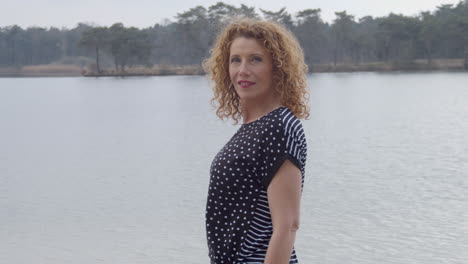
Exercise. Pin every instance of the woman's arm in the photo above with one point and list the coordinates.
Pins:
(284, 196)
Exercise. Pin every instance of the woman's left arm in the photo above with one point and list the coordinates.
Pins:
(284, 196)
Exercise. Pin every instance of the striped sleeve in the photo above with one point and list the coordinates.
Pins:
(284, 140)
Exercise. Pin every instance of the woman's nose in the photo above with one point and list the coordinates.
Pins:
(243, 69)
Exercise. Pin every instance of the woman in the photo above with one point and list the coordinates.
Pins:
(256, 180)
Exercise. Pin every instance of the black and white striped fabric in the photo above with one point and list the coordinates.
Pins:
(238, 220)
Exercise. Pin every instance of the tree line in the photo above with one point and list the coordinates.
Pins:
(438, 34)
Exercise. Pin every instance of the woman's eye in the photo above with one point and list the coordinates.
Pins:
(256, 59)
(235, 60)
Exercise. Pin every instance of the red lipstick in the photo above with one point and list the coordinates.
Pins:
(245, 84)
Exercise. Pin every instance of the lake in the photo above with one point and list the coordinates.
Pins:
(116, 170)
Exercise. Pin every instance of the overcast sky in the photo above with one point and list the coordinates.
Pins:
(145, 13)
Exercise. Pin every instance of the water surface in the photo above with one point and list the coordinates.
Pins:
(113, 170)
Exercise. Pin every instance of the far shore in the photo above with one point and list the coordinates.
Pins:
(64, 70)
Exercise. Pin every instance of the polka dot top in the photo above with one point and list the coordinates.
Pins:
(238, 220)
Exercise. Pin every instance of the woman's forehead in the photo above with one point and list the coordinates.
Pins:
(247, 45)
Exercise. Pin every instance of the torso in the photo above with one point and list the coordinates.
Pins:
(238, 220)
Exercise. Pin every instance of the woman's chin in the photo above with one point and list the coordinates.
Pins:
(248, 96)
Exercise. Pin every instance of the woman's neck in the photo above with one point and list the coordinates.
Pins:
(254, 110)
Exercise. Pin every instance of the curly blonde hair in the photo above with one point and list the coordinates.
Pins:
(289, 69)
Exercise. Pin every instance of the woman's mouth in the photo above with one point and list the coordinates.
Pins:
(245, 84)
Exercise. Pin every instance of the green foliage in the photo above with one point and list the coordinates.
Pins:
(343, 31)
(280, 16)
(96, 38)
(442, 33)
(396, 37)
(128, 46)
(312, 33)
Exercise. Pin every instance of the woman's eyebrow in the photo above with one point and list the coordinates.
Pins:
(252, 54)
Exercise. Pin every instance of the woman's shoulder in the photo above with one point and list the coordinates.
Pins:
(289, 121)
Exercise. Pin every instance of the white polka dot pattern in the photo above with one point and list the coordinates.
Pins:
(238, 220)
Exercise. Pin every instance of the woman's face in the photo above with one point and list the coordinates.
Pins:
(250, 69)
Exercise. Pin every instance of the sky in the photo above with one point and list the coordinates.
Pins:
(146, 13)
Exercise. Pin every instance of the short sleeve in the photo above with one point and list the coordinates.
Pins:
(282, 140)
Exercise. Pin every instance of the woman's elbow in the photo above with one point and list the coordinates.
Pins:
(295, 225)
(291, 225)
